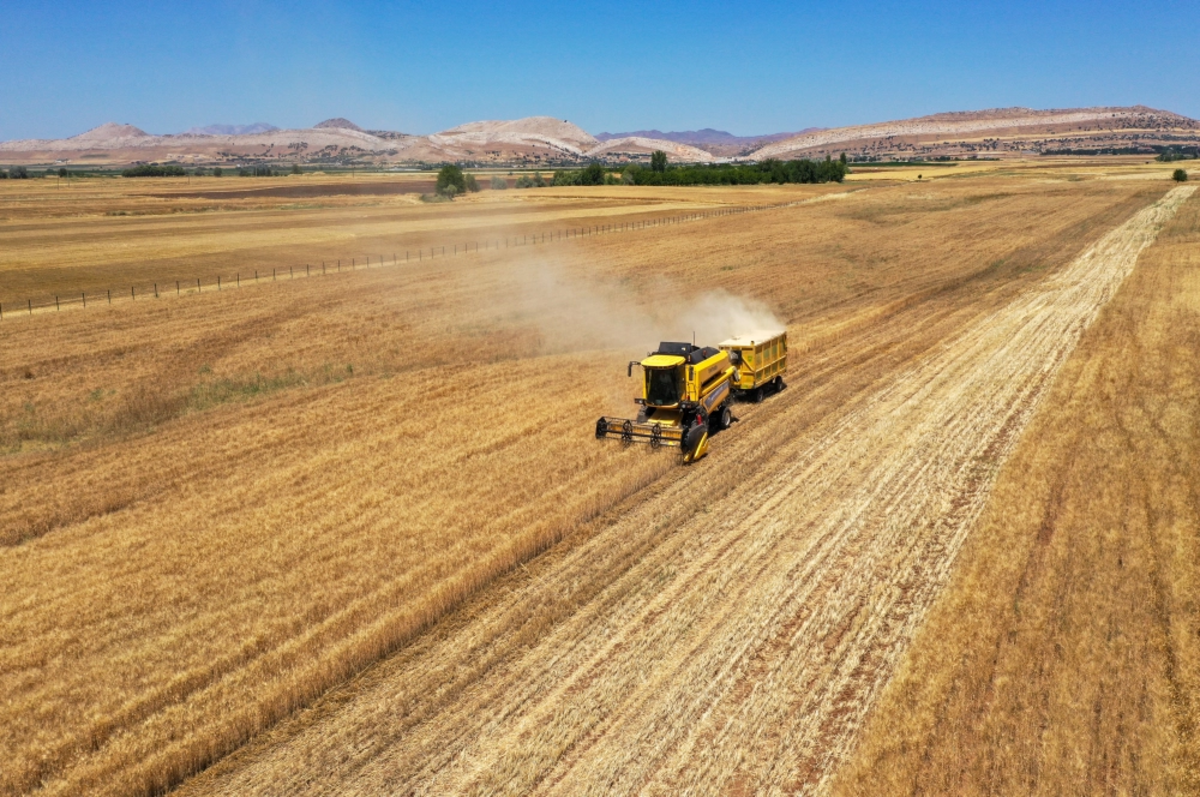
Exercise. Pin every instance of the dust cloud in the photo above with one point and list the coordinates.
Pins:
(577, 313)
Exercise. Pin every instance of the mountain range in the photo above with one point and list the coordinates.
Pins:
(718, 142)
(547, 141)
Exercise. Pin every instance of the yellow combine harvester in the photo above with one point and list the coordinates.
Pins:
(687, 390)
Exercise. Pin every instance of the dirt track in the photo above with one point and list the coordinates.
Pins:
(731, 643)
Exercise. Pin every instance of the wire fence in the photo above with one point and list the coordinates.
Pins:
(238, 279)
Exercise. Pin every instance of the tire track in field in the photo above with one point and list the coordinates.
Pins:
(741, 652)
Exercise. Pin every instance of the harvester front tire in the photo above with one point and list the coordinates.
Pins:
(725, 418)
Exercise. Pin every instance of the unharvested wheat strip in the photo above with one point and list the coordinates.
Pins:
(908, 483)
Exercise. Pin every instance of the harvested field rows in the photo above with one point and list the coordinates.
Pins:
(216, 508)
(1064, 655)
(740, 652)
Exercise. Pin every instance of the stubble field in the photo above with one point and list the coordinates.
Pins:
(350, 533)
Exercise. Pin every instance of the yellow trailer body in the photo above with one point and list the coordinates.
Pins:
(761, 360)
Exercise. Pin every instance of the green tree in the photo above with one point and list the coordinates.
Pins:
(296, 168)
(592, 175)
(451, 175)
(18, 173)
(472, 183)
(538, 180)
(217, 172)
(1179, 176)
(658, 161)
(499, 183)
(62, 171)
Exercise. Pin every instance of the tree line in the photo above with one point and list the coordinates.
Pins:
(660, 173)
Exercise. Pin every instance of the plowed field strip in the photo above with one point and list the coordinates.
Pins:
(750, 628)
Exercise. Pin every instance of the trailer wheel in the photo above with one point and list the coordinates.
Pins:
(758, 395)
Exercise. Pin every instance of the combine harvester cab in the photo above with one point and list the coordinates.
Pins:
(761, 361)
(686, 392)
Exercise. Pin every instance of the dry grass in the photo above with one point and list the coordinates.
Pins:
(1063, 658)
(107, 234)
(218, 507)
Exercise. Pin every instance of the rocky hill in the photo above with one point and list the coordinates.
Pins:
(1001, 132)
(714, 142)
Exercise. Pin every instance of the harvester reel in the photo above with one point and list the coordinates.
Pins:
(656, 435)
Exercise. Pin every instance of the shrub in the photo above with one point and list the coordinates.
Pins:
(524, 181)
(451, 176)
(472, 183)
(18, 173)
(499, 183)
(1179, 176)
(217, 171)
(565, 177)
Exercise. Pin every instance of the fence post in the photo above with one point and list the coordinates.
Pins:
(198, 285)
(218, 282)
(306, 270)
(30, 302)
(291, 273)
(84, 295)
(239, 279)
(132, 295)
(110, 295)
(156, 290)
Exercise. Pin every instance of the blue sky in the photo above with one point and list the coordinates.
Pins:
(419, 67)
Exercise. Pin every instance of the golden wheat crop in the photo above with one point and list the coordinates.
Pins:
(1063, 658)
(218, 507)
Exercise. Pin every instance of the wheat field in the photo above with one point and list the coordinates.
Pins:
(1065, 659)
(351, 533)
